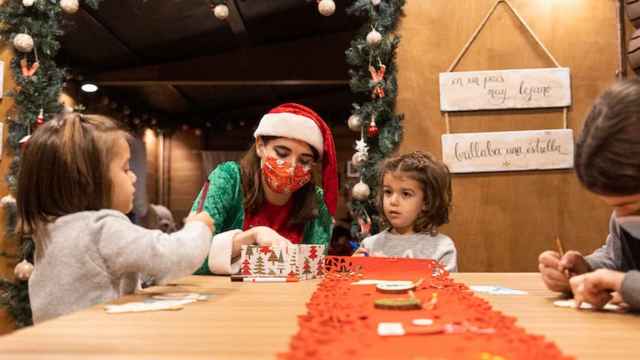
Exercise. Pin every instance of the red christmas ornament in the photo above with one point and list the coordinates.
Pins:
(373, 131)
(40, 118)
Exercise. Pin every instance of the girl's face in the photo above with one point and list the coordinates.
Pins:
(122, 178)
(403, 200)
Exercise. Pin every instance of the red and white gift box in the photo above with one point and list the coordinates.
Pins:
(301, 261)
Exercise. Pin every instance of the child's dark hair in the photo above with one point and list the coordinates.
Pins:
(435, 179)
(65, 169)
(607, 153)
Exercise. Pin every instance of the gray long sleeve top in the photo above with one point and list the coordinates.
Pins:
(610, 256)
(420, 246)
(92, 257)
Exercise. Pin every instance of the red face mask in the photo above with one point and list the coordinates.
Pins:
(281, 177)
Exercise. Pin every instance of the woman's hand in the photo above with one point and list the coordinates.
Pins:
(259, 235)
(266, 236)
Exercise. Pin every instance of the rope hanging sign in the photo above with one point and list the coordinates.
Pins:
(502, 90)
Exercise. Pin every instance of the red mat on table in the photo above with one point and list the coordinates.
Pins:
(342, 321)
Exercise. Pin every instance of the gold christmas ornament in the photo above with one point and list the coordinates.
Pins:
(361, 191)
(69, 6)
(374, 37)
(326, 7)
(354, 122)
(23, 270)
(221, 11)
(23, 43)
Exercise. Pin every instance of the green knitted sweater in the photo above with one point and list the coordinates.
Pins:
(225, 204)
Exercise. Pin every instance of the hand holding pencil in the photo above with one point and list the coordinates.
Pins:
(557, 267)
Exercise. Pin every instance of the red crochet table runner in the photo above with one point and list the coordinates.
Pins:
(342, 322)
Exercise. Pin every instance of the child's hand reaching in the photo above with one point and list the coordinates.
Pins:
(361, 252)
(202, 217)
(597, 287)
(556, 270)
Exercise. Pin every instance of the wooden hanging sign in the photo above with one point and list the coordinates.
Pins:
(505, 89)
(508, 151)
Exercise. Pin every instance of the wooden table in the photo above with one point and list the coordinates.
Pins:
(255, 321)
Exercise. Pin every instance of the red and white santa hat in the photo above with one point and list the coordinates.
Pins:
(298, 122)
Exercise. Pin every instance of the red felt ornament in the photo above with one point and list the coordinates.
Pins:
(376, 77)
(28, 71)
(40, 118)
(373, 131)
(24, 142)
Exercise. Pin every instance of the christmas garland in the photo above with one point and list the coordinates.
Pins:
(33, 27)
(373, 79)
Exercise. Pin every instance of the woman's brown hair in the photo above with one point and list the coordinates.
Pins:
(435, 180)
(607, 153)
(305, 205)
(65, 169)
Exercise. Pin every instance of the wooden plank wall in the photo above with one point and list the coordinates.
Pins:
(502, 221)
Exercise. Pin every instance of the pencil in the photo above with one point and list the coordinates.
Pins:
(255, 279)
(559, 246)
(203, 196)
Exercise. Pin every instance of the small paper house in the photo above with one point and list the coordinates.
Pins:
(301, 261)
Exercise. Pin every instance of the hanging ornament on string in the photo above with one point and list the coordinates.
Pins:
(374, 37)
(28, 3)
(28, 71)
(373, 131)
(376, 79)
(355, 122)
(24, 142)
(360, 191)
(40, 118)
(221, 11)
(326, 7)
(8, 200)
(364, 222)
(23, 42)
(23, 270)
(69, 6)
(362, 153)
(375, 2)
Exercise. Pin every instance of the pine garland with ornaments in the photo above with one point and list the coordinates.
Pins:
(33, 28)
(373, 79)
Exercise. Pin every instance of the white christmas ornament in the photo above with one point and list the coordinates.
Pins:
(376, 2)
(326, 7)
(7, 199)
(69, 6)
(354, 122)
(23, 43)
(374, 37)
(221, 11)
(361, 191)
(359, 159)
(28, 3)
(23, 270)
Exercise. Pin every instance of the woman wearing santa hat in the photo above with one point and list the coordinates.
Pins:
(269, 197)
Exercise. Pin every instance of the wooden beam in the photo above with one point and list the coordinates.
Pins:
(112, 35)
(295, 62)
(236, 22)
